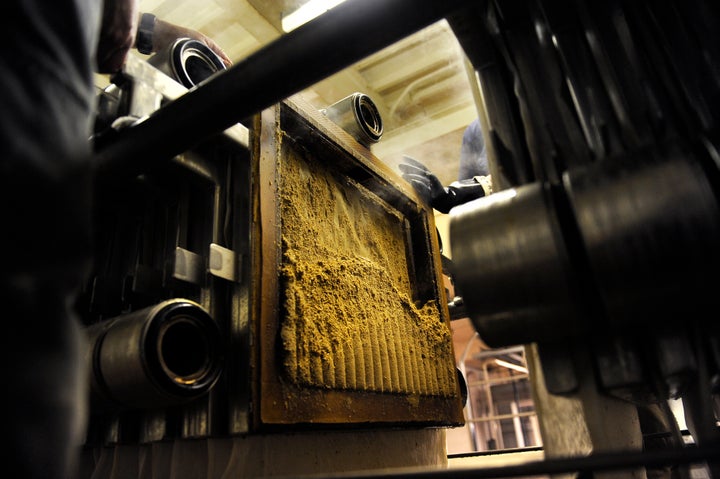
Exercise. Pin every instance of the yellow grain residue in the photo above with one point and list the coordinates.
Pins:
(348, 320)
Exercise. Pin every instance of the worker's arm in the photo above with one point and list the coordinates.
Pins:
(431, 189)
(119, 33)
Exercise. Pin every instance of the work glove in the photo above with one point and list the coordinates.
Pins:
(432, 191)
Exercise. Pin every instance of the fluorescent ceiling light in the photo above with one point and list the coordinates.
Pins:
(510, 365)
(307, 12)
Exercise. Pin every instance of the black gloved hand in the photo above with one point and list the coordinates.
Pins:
(431, 190)
(425, 183)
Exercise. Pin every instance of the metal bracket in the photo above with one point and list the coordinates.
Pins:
(224, 263)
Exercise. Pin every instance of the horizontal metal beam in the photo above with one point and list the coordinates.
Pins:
(587, 464)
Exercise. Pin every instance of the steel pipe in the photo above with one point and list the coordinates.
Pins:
(293, 62)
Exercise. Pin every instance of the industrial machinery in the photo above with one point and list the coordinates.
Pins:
(276, 277)
(597, 249)
(600, 246)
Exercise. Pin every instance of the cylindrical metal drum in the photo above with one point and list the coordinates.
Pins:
(166, 354)
(512, 266)
(358, 115)
(650, 224)
(622, 245)
(188, 61)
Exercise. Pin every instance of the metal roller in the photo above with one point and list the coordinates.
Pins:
(650, 225)
(166, 354)
(513, 269)
(188, 61)
(620, 246)
(358, 115)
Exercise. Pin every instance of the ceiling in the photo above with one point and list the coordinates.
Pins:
(420, 85)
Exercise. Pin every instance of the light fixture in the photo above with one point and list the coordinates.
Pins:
(307, 12)
(510, 365)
